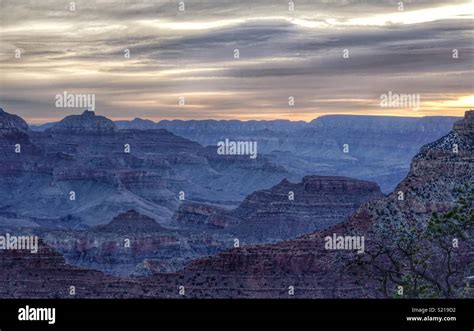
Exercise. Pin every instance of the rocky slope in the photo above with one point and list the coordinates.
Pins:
(46, 275)
(11, 124)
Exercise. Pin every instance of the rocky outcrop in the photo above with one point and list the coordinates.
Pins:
(465, 127)
(129, 223)
(86, 123)
(287, 210)
(11, 124)
(15, 144)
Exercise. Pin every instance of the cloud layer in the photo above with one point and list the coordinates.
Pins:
(190, 54)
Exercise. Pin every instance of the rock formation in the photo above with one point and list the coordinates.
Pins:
(86, 123)
(286, 210)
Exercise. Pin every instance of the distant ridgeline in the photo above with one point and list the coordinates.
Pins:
(377, 148)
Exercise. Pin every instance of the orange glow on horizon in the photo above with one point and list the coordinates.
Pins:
(453, 105)
(262, 117)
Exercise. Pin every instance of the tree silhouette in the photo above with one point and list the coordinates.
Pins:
(427, 259)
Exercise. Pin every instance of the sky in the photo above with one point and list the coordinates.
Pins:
(330, 56)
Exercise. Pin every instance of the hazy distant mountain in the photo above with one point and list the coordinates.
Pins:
(41, 127)
(86, 123)
(137, 123)
(379, 148)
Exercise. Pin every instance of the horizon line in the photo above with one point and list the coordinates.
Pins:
(32, 121)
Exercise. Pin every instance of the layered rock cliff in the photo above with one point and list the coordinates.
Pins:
(286, 210)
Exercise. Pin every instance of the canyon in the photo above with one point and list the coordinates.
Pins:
(137, 251)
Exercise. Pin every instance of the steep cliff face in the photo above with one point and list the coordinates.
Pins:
(20, 160)
(439, 171)
(423, 230)
(465, 127)
(14, 141)
(11, 124)
(289, 210)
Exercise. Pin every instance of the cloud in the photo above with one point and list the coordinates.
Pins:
(191, 54)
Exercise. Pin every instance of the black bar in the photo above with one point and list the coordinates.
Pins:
(291, 314)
